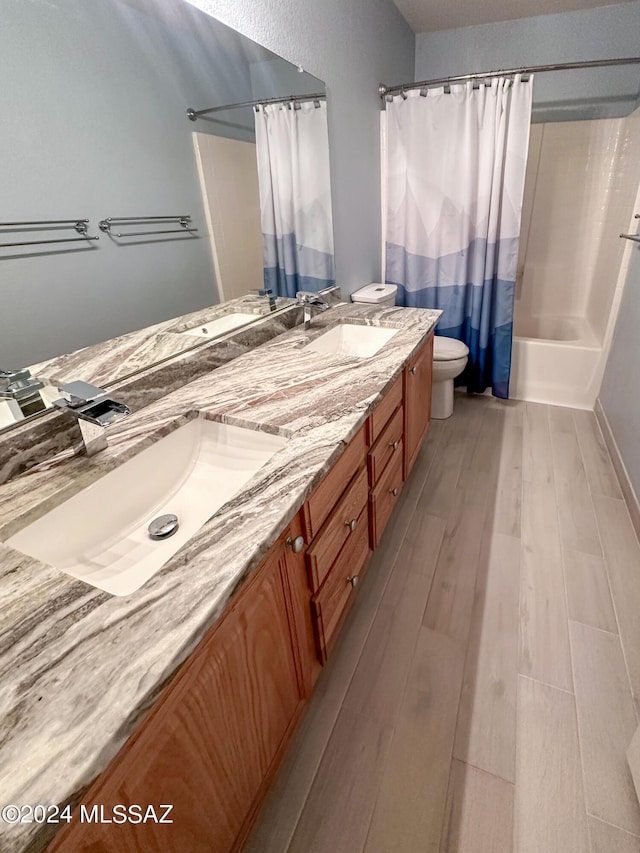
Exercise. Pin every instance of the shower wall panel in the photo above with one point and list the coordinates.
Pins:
(582, 179)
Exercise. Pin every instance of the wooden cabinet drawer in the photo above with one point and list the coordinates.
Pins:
(384, 497)
(383, 411)
(388, 444)
(322, 501)
(330, 603)
(336, 531)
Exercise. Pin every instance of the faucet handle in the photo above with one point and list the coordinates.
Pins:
(10, 376)
(17, 384)
(81, 393)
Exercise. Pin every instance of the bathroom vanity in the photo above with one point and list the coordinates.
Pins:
(186, 692)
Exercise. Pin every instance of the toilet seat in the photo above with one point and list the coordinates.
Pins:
(448, 349)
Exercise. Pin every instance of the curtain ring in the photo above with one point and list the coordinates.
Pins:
(447, 88)
(404, 94)
(423, 92)
(316, 104)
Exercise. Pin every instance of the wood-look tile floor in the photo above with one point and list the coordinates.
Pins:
(484, 689)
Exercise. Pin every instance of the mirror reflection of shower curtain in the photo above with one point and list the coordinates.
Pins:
(455, 179)
(295, 197)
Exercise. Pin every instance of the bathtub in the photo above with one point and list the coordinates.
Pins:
(555, 360)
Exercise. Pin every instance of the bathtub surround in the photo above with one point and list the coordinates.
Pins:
(295, 197)
(581, 183)
(580, 191)
(58, 689)
(454, 178)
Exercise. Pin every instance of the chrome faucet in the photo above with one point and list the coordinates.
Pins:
(309, 301)
(22, 388)
(94, 410)
(271, 299)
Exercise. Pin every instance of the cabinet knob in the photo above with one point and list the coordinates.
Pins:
(393, 491)
(394, 444)
(413, 369)
(296, 544)
(353, 580)
(351, 524)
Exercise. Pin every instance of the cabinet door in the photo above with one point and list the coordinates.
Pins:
(417, 402)
(300, 600)
(208, 746)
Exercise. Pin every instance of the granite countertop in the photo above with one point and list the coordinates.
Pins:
(111, 361)
(72, 691)
(146, 369)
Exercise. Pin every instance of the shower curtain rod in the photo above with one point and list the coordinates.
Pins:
(195, 114)
(531, 69)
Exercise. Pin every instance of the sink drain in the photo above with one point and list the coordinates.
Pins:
(163, 526)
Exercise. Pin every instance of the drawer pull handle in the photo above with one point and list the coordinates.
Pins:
(351, 524)
(413, 370)
(353, 580)
(394, 444)
(393, 491)
(296, 544)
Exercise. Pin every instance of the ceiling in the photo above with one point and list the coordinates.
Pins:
(426, 16)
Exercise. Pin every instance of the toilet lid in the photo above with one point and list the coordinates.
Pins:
(376, 292)
(448, 349)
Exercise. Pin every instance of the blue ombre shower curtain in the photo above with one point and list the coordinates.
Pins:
(455, 168)
(292, 147)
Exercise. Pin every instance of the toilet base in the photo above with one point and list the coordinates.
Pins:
(442, 399)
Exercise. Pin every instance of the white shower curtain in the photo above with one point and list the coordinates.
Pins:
(455, 178)
(295, 196)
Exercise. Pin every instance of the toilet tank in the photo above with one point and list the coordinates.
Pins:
(376, 294)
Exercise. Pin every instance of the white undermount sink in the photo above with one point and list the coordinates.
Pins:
(226, 323)
(352, 339)
(100, 535)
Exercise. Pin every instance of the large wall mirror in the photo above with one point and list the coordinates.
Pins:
(94, 102)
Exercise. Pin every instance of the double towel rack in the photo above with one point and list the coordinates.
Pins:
(78, 225)
(634, 237)
(182, 220)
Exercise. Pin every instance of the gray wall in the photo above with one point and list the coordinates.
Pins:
(619, 393)
(606, 32)
(352, 45)
(93, 126)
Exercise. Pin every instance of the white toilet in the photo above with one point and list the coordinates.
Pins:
(449, 360)
(376, 294)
